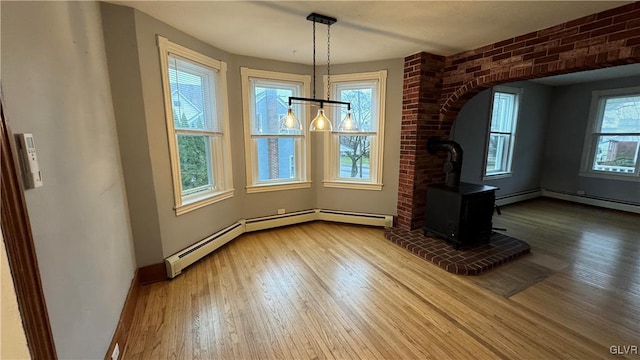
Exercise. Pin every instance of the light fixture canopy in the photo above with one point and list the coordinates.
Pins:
(321, 122)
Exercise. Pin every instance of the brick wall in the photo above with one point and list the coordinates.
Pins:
(420, 119)
(605, 39)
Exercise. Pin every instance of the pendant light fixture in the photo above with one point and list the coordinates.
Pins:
(321, 122)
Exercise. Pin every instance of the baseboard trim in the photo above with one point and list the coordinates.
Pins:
(152, 273)
(592, 201)
(518, 197)
(184, 258)
(121, 335)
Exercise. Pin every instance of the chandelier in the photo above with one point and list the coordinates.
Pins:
(321, 122)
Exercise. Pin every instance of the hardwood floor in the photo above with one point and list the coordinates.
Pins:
(333, 291)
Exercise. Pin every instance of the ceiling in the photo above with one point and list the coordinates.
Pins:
(366, 30)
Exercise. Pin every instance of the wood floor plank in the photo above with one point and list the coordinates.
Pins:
(334, 291)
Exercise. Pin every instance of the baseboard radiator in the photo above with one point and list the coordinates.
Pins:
(518, 197)
(179, 261)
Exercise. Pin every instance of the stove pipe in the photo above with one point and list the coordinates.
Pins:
(453, 166)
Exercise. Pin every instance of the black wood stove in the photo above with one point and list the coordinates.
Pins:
(459, 212)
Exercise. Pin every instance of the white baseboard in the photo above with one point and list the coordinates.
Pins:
(268, 222)
(179, 261)
(592, 201)
(510, 199)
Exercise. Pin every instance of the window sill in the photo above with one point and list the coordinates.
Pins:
(278, 187)
(352, 185)
(497, 176)
(202, 201)
(622, 177)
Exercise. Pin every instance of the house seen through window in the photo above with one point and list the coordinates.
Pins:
(194, 87)
(614, 137)
(276, 158)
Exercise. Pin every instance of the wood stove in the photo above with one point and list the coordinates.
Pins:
(460, 212)
(462, 215)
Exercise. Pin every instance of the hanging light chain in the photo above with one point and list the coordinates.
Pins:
(314, 59)
(328, 59)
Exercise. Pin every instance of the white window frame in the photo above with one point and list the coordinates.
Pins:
(220, 148)
(302, 148)
(596, 112)
(332, 140)
(508, 171)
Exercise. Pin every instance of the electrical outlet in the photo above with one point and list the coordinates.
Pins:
(116, 352)
(281, 211)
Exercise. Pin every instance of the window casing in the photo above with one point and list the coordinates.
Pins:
(195, 96)
(354, 160)
(275, 159)
(501, 137)
(612, 141)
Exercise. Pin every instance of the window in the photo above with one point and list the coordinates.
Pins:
(502, 132)
(613, 136)
(354, 160)
(194, 88)
(275, 159)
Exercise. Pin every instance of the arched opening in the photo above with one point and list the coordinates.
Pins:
(436, 87)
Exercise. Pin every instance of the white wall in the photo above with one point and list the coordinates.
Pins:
(568, 119)
(130, 37)
(56, 86)
(471, 128)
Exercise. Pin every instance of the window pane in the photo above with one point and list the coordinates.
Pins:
(362, 106)
(192, 97)
(616, 154)
(195, 162)
(503, 112)
(270, 105)
(275, 157)
(354, 157)
(497, 157)
(621, 115)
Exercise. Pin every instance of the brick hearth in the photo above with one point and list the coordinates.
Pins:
(474, 261)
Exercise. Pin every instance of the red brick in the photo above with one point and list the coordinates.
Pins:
(575, 53)
(581, 21)
(633, 24)
(631, 15)
(534, 55)
(503, 43)
(561, 49)
(574, 38)
(564, 33)
(528, 36)
(522, 51)
(515, 46)
(607, 30)
(537, 40)
(615, 11)
(551, 30)
(632, 42)
(492, 52)
(596, 24)
(501, 56)
(624, 34)
(591, 41)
